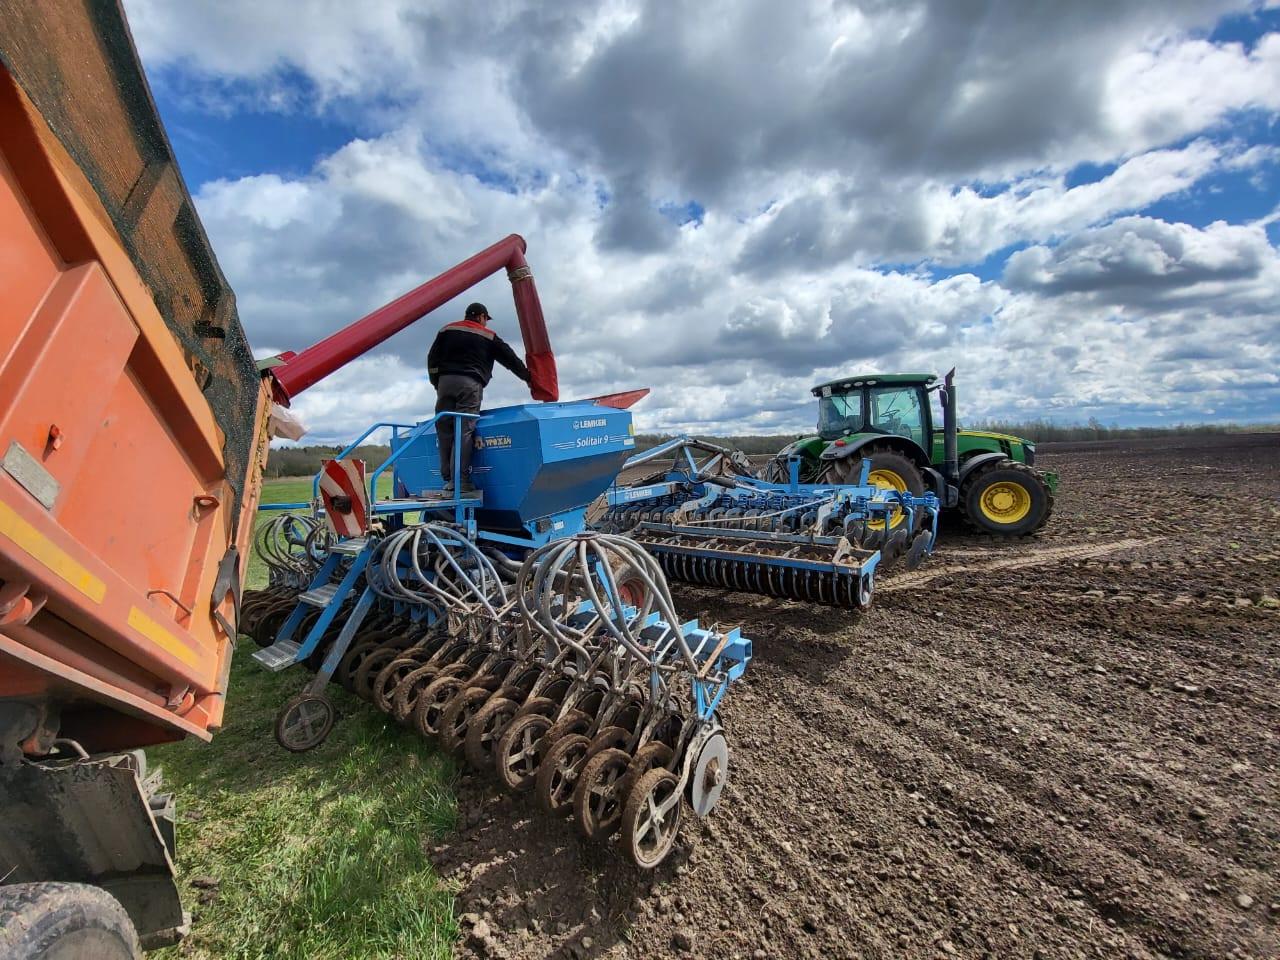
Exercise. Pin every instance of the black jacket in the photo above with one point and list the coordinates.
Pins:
(469, 349)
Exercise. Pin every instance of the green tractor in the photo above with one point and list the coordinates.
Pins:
(888, 419)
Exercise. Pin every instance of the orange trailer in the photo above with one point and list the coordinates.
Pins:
(132, 442)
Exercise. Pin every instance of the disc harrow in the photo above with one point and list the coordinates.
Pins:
(710, 523)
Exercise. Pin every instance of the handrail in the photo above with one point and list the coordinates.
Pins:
(418, 431)
(415, 431)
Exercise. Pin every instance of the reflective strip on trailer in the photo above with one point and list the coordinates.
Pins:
(45, 552)
(161, 637)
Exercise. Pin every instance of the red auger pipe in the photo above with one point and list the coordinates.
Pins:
(318, 361)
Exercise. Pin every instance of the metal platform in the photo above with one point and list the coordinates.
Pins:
(413, 504)
(320, 596)
(281, 654)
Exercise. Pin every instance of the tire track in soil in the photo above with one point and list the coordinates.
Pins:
(1129, 694)
(1039, 557)
(1016, 768)
(1130, 894)
(1193, 642)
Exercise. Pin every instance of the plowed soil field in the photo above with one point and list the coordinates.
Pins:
(1067, 746)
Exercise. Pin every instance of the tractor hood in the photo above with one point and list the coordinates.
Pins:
(987, 435)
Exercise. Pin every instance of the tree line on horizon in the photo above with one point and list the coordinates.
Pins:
(305, 461)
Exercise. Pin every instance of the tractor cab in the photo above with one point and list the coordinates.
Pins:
(891, 405)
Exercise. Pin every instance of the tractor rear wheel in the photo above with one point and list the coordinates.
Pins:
(1007, 498)
(890, 470)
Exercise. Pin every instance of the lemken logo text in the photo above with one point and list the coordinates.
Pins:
(588, 424)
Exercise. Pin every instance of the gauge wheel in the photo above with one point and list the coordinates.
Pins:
(304, 722)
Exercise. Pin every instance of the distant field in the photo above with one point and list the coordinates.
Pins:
(314, 855)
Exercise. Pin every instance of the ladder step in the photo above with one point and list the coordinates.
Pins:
(350, 547)
(281, 654)
(321, 596)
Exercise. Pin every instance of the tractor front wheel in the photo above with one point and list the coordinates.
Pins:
(1007, 498)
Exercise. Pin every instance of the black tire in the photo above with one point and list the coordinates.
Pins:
(982, 481)
(64, 921)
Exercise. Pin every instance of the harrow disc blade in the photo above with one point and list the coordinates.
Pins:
(775, 565)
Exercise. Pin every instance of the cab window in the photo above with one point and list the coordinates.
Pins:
(896, 410)
(839, 415)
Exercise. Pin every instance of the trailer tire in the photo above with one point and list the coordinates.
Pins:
(64, 921)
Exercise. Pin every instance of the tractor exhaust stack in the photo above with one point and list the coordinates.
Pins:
(951, 456)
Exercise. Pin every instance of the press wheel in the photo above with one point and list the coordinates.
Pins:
(609, 737)
(599, 794)
(486, 728)
(386, 685)
(432, 702)
(648, 831)
(457, 717)
(519, 751)
(651, 756)
(558, 773)
(369, 669)
(350, 664)
(404, 699)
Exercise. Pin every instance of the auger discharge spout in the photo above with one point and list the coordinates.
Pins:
(302, 370)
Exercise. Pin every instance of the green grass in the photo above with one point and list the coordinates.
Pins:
(317, 855)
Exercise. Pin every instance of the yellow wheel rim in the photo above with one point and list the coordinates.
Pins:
(887, 480)
(1005, 502)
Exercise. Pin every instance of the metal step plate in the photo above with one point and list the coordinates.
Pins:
(320, 596)
(281, 654)
(350, 547)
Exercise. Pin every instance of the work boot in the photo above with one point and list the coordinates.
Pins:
(468, 489)
(448, 486)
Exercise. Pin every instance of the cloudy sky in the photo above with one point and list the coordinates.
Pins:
(1075, 203)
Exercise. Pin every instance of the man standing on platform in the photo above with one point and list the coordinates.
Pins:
(460, 366)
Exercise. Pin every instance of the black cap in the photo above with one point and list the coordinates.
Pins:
(476, 310)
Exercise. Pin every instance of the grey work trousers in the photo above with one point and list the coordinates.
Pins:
(463, 394)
